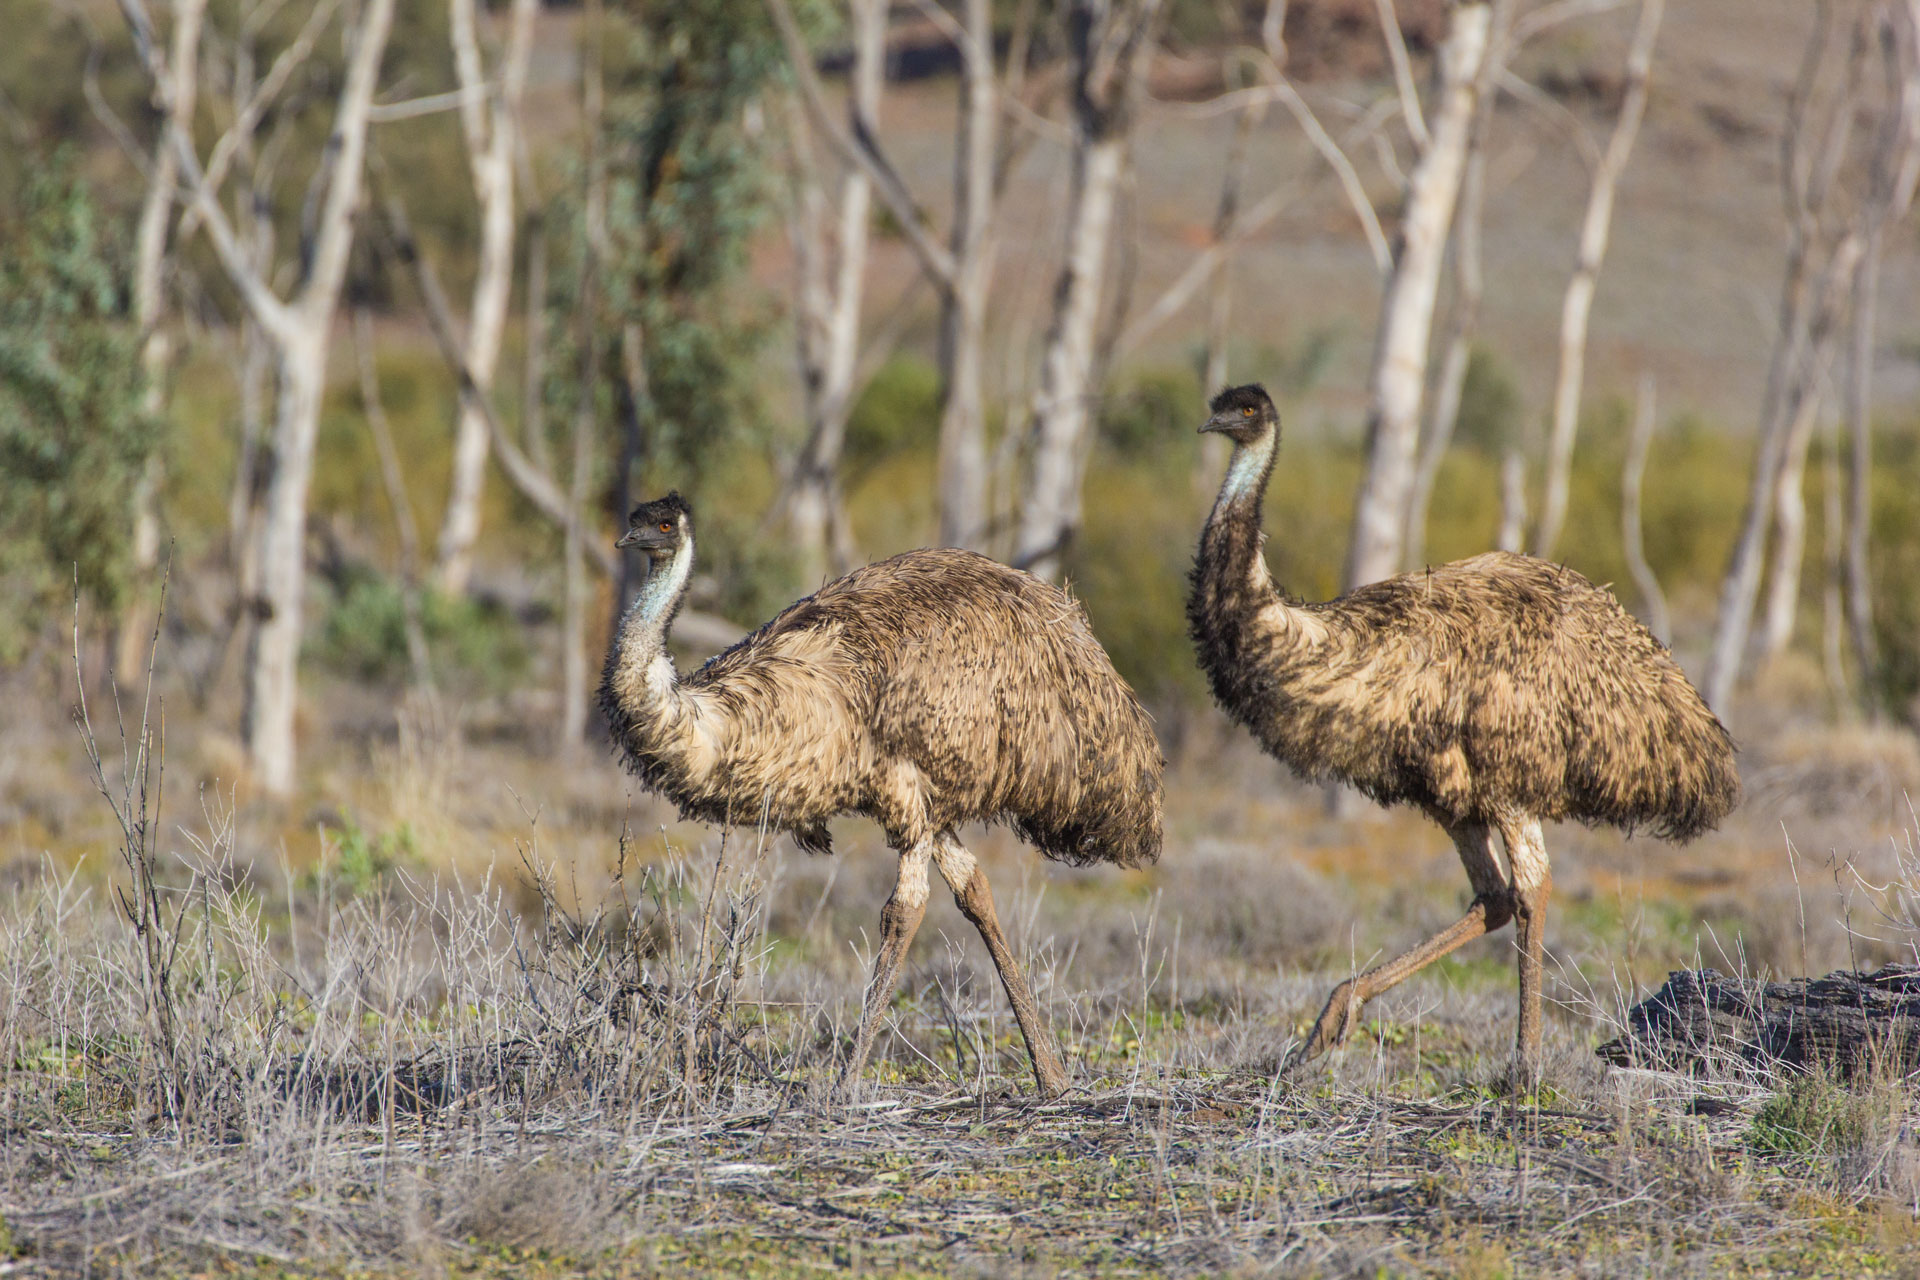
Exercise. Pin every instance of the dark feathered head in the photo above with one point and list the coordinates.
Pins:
(659, 527)
(1242, 413)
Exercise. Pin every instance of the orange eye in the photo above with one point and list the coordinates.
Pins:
(1247, 412)
(666, 526)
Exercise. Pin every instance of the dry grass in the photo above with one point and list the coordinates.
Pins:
(514, 1044)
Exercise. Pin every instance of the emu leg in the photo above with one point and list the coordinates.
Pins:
(1532, 884)
(905, 908)
(969, 884)
(1491, 908)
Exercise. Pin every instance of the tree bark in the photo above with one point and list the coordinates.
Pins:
(175, 90)
(1406, 309)
(963, 469)
(829, 319)
(489, 123)
(1808, 397)
(1805, 187)
(1468, 286)
(1110, 52)
(573, 614)
(1577, 306)
(1897, 168)
(1513, 501)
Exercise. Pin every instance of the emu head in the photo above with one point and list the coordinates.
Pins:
(660, 527)
(1243, 414)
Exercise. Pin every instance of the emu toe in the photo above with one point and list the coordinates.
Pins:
(1330, 1031)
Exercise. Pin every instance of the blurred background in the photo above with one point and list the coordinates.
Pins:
(357, 326)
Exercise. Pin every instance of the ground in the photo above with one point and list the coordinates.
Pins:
(436, 1019)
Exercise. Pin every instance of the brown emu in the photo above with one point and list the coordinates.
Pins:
(923, 691)
(1494, 693)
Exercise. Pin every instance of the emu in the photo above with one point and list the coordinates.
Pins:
(924, 691)
(1494, 693)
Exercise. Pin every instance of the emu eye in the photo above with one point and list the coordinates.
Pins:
(666, 526)
(1247, 412)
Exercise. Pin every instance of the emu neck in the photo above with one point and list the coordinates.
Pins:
(1230, 556)
(641, 672)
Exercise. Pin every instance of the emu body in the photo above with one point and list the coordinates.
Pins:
(924, 691)
(1495, 693)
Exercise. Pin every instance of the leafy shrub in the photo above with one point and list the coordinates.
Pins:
(1156, 418)
(1489, 416)
(898, 410)
(362, 860)
(1894, 568)
(473, 642)
(74, 440)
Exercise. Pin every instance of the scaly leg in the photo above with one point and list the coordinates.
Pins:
(898, 920)
(1532, 884)
(1491, 908)
(969, 884)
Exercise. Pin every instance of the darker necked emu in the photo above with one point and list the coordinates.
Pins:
(1494, 693)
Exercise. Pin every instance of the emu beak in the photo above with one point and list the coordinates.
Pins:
(630, 538)
(1217, 424)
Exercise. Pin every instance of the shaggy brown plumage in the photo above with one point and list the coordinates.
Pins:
(924, 691)
(1493, 693)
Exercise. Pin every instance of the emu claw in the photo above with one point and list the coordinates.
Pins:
(1330, 1030)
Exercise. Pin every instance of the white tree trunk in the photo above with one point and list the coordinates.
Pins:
(1897, 169)
(1063, 402)
(1577, 306)
(1468, 285)
(1406, 309)
(1111, 47)
(1513, 501)
(174, 95)
(1806, 187)
(1808, 398)
(299, 331)
(490, 128)
(963, 466)
(274, 651)
(830, 320)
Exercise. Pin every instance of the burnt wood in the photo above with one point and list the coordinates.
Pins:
(1846, 1022)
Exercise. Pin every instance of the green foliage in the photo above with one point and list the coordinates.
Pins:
(898, 409)
(362, 860)
(1894, 568)
(1156, 418)
(1141, 513)
(473, 643)
(1814, 1113)
(1489, 417)
(688, 187)
(73, 438)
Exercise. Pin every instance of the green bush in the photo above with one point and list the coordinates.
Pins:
(363, 860)
(1894, 569)
(74, 440)
(897, 411)
(474, 643)
(1489, 416)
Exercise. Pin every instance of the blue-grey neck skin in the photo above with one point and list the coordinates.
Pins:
(1247, 474)
(643, 632)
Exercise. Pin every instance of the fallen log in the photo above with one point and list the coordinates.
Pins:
(1844, 1022)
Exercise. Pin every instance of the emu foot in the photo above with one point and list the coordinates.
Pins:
(1335, 1024)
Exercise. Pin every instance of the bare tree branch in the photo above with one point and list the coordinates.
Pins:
(1577, 306)
(1402, 74)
